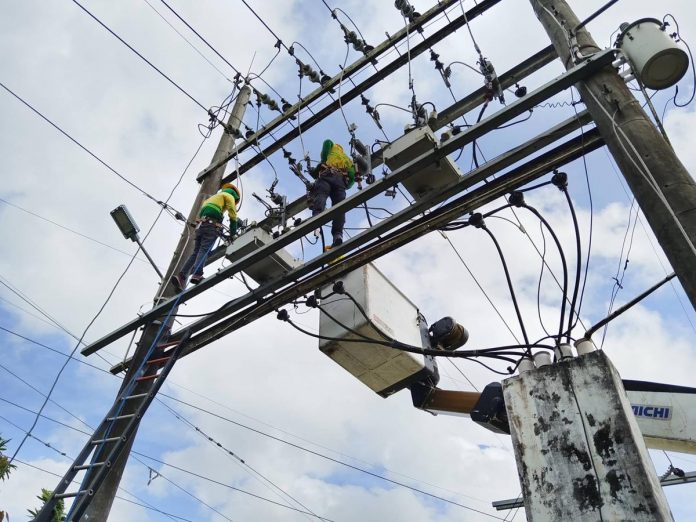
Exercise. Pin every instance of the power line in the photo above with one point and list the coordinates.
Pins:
(63, 454)
(52, 349)
(183, 470)
(64, 133)
(321, 455)
(188, 41)
(68, 229)
(201, 37)
(202, 410)
(142, 503)
(103, 306)
(236, 458)
(194, 100)
(490, 301)
(228, 486)
(177, 415)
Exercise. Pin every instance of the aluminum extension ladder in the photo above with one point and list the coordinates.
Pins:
(114, 431)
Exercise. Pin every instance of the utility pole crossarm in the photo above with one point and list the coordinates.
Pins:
(372, 80)
(455, 143)
(270, 296)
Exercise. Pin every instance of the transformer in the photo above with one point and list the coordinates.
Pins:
(271, 267)
(432, 178)
(389, 314)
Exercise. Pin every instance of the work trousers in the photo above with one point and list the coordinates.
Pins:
(206, 235)
(329, 185)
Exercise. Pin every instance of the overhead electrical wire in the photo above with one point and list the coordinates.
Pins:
(187, 41)
(101, 309)
(332, 459)
(109, 167)
(68, 229)
(478, 284)
(207, 412)
(228, 486)
(564, 265)
(261, 433)
(640, 165)
(541, 276)
(135, 452)
(621, 272)
(257, 475)
(194, 100)
(509, 282)
(142, 503)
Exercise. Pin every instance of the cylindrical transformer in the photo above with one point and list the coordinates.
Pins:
(656, 58)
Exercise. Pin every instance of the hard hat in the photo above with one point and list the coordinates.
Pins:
(235, 190)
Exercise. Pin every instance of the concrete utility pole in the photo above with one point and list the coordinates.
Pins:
(100, 506)
(578, 447)
(637, 146)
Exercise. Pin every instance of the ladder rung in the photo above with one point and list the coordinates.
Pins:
(110, 439)
(119, 417)
(159, 360)
(89, 466)
(74, 494)
(136, 396)
(147, 377)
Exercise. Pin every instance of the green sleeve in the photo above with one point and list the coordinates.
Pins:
(231, 205)
(234, 226)
(351, 176)
(325, 149)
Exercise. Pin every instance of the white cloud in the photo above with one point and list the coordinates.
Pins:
(267, 376)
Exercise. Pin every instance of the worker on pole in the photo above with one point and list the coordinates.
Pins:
(209, 228)
(334, 175)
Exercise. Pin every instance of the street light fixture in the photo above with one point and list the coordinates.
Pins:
(126, 224)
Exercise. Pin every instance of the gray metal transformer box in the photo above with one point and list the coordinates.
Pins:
(384, 370)
(434, 177)
(275, 265)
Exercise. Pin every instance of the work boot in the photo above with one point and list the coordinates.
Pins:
(337, 241)
(178, 282)
(195, 279)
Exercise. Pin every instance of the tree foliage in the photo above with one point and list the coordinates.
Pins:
(58, 510)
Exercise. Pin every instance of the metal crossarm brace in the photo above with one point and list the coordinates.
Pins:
(373, 79)
(570, 151)
(270, 301)
(479, 96)
(349, 71)
(562, 82)
(470, 102)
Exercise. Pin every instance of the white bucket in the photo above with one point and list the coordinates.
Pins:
(656, 58)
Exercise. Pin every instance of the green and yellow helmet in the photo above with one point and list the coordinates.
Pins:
(232, 190)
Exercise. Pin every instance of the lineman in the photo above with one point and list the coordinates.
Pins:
(208, 230)
(334, 175)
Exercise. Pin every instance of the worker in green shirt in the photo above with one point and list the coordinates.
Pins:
(334, 175)
(208, 229)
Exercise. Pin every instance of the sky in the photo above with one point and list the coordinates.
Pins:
(265, 394)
